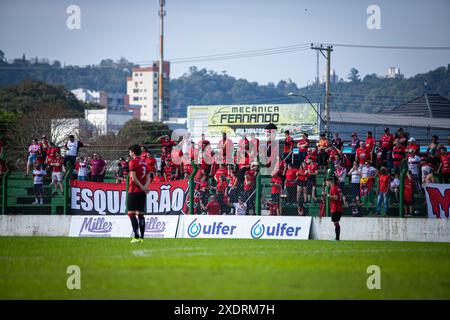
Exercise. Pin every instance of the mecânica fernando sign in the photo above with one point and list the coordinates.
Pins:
(233, 119)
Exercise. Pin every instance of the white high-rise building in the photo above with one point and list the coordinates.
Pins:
(394, 73)
(142, 90)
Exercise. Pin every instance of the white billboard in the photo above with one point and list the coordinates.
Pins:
(120, 226)
(243, 227)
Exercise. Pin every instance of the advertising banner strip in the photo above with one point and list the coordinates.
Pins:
(243, 227)
(98, 198)
(438, 200)
(235, 118)
(120, 226)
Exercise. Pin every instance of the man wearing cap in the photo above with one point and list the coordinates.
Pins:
(387, 144)
(412, 144)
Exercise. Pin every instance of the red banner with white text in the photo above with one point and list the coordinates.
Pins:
(99, 198)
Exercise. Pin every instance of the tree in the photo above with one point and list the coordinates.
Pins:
(353, 76)
(141, 132)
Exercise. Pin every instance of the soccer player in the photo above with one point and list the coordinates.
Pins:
(137, 190)
(335, 196)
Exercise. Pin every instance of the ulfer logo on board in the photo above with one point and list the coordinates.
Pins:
(278, 230)
(215, 229)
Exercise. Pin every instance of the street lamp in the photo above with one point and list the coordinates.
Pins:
(291, 94)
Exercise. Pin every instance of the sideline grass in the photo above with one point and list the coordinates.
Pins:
(35, 268)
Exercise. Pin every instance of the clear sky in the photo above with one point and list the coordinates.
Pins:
(113, 28)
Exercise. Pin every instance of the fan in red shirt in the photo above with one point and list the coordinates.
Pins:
(159, 177)
(413, 145)
(253, 172)
(137, 191)
(303, 145)
(288, 145)
(221, 171)
(187, 168)
(291, 183)
(170, 171)
(312, 154)
(45, 145)
(398, 154)
(51, 153)
(311, 182)
(370, 141)
(213, 207)
(408, 193)
(167, 143)
(151, 162)
(362, 153)
(275, 191)
(383, 191)
(221, 189)
(57, 163)
(387, 140)
(302, 176)
(335, 196)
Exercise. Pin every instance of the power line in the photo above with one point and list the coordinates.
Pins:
(294, 46)
(365, 46)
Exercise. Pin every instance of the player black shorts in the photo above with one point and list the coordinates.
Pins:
(301, 183)
(275, 197)
(336, 216)
(136, 201)
(311, 181)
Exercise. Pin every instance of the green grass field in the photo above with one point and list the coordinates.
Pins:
(35, 268)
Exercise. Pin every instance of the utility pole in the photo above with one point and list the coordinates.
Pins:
(162, 13)
(317, 68)
(328, 49)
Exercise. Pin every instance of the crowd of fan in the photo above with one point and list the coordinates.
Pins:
(230, 187)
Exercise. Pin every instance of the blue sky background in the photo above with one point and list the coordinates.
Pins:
(111, 29)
